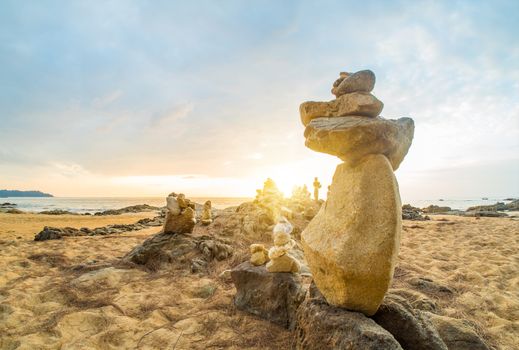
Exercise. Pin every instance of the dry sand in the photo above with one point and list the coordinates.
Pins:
(75, 294)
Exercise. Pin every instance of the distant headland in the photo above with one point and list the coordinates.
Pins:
(16, 193)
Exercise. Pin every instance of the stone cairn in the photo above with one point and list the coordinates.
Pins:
(280, 258)
(270, 198)
(317, 186)
(352, 244)
(207, 216)
(180, 215)
(272, 291)
(300, 195)
(277, 258)
(259, 255)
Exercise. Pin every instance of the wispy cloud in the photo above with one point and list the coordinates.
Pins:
(168, 117)
(103, 101)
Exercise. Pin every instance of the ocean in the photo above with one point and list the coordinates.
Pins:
(92, 204)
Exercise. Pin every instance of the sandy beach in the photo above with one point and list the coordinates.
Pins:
(74, 293)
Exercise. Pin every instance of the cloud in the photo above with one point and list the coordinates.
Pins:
(104, 101)
(169, 117)
(69, 169)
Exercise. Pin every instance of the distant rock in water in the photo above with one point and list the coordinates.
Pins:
(499, 206)
(131, 209)
(16, 193)
(485, 213)
(9, 208)
(7, 205)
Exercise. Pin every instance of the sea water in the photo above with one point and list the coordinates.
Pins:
(93, 204)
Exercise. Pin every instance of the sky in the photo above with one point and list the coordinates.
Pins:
(142, 98)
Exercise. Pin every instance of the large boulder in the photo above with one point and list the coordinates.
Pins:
(272, 296)
(363, 80)
(323, 326)
(357, 103)
(409, 327)
(353, 137)
(352, 244)
(457, 334)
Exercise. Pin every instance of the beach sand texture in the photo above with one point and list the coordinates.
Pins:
(75, 294)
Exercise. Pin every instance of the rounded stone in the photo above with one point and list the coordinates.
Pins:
(363, 80)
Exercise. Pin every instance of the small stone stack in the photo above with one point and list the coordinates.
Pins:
(207, 214)
(352, 244)
(180, 215)
(353, 98)
(270, 198)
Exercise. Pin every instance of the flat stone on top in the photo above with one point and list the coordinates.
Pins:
(352, 137)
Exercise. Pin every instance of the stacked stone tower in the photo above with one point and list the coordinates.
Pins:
(352, 243)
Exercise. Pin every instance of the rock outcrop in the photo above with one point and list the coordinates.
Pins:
(272, 296)
(499, 206)
(435, 209)
(456, 334)
(57, 212)
(351, 245)
(57, 233)
(180, 249)
(396, 325)
(14, 211)
(175, 244)
(410, 327)
(323, 326)
(412, 213)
